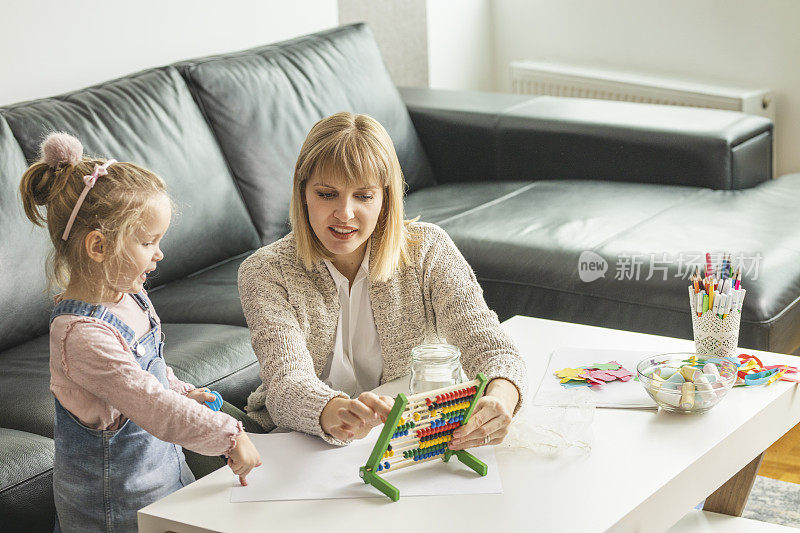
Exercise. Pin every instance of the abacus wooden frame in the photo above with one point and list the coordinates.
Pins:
(369, 472)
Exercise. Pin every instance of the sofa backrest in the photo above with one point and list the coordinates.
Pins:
(24, 305)
(261, 103)
(149, 118)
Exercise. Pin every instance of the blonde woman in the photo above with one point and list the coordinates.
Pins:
(335, 306)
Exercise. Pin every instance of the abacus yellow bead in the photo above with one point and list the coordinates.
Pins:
(416, 417)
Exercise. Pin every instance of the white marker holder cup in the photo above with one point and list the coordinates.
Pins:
(713, 335)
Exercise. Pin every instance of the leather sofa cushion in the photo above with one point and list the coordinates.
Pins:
(26, 481)
(151, 119)
(205, 355)
(442, 203)
(525, 247)
(477, 136)
(210, 296)
(557, 137)
(25, 307)
(25, 388)
(262, 103)
(216, 356)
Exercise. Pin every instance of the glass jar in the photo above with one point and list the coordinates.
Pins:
(434, 366)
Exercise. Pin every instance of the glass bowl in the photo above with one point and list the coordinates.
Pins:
(684, 383)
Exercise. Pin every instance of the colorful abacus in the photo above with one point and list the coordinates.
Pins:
(418, 429)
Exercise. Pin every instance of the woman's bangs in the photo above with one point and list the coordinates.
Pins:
(353, 165)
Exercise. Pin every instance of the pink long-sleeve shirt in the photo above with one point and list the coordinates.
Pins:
(95, 376)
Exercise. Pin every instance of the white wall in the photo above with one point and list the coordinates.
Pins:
(401, 31)
(51, 46)
(741, 43)
(445, 44)
(460, 44)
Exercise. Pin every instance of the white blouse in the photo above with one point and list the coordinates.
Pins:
(357, 362)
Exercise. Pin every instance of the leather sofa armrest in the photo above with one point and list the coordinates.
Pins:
(474, 136)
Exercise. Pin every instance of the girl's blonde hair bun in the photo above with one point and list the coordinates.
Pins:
(61, 148)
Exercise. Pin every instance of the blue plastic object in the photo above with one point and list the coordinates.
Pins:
(216, 405)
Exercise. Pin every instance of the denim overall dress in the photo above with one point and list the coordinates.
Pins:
(101, 478)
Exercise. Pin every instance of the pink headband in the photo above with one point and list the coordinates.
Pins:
(89, 180)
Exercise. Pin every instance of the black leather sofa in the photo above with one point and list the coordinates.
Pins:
(523, 185)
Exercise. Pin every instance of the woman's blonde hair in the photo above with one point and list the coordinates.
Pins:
(116, 207)
(355, 149)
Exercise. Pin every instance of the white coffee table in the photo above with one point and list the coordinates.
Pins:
(645, 472)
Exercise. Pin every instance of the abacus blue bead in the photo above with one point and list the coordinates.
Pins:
(380, 467)
(386, 465)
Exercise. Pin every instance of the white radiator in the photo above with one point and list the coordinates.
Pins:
(544, 78)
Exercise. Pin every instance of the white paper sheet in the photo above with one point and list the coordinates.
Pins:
(617, 394)
(297, 466)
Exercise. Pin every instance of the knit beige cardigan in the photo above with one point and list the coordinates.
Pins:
(293, 313)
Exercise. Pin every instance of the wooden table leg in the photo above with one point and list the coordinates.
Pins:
(731, 497)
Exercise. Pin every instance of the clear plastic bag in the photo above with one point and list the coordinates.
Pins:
(554, 423)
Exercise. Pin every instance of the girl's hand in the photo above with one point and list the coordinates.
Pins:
(490, 419)
(243, 457)
(201, 395)
(346, 419)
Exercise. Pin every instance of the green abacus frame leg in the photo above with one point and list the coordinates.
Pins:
(468, 459)
(379, 483)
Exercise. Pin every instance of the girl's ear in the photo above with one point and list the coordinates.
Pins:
(95, 246)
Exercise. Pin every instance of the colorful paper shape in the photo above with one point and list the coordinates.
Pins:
(613, 365)
(593, 375)
(569, 374)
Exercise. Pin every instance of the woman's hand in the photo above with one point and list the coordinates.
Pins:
(490, 419)
(201, 395)
(243, 457)
(346, 419)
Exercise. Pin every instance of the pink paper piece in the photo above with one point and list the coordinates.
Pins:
(622, 374)
(598, 376)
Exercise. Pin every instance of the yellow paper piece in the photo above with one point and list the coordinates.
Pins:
(567, 374)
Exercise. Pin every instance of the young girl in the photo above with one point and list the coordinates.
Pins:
(119, 407)
(335, 307)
